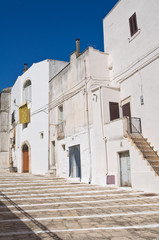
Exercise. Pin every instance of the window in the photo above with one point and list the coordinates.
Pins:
(53, 160)
(27, 91)
(13, 117)
(133, 24)
(60, 114)
(114, 110)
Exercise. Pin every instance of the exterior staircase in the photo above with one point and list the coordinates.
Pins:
(147, 151)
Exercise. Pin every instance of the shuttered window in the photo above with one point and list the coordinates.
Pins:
(133, 24)
(114, 110)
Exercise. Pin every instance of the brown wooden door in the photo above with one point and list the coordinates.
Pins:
(25, 161)
(126, 110)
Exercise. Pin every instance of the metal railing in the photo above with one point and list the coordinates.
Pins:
(135, 125)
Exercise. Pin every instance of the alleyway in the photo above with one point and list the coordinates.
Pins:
(38, 207)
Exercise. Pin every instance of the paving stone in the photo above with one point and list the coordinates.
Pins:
(65, 198)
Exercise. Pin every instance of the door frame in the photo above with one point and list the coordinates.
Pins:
(120, 181)
(80, 167)
(29, 149)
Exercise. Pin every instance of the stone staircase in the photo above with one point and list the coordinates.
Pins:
(147, 151)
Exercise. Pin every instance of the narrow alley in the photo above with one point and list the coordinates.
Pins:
(42, 207)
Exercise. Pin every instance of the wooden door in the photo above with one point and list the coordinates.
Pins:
(114, 110)
(25, 159)
(126, 110)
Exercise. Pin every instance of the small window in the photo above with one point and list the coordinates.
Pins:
(25, 125)
(27, 91)
(60, 114)
(13, 117)
(114, 110)
(133, 24)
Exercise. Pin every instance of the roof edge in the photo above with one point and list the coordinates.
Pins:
(112, 9)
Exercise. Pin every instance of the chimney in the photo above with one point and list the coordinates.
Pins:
(25, 67)
(77, 47)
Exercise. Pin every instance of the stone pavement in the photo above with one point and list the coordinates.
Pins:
(40, 207)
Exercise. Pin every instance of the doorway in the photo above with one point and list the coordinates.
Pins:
(74, 162)
(126, 110)
(125, 169)
(25, 150)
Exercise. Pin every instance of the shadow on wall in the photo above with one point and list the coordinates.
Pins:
(11, 229)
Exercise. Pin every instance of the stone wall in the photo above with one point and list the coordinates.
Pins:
(4, 127)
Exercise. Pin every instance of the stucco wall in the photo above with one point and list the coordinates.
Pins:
(39, 74)
(124, 50)
(72, 88)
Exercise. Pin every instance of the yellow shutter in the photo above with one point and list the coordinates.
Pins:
(24, 114)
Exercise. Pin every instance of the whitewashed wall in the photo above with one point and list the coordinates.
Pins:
(69, 89)
(39, 74)
(134, 68)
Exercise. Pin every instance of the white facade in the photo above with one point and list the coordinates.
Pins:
(134, 68)
(80, 111)
(99, 93)
(71, 91)
(35, 134)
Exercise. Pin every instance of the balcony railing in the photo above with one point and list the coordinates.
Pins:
(135, 125)
(60, 130)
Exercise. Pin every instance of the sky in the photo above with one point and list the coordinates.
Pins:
(35, 30)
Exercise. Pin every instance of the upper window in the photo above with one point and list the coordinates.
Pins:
(133, 24)
(13, 117)
(60, 113)
(114, 110)
(27, 91)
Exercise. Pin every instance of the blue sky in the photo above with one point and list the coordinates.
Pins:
(34, 30)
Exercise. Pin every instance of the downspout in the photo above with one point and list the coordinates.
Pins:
(88, 128)
(104, 138)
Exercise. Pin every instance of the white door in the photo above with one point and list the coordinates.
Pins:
(125, 169)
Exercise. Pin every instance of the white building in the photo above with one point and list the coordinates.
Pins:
(104, 106)
(132, 41)
(74, 151)
(30, 140)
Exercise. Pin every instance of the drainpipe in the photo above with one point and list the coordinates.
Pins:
(104, 138)
(88, 128)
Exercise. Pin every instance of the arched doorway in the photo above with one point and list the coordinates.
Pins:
(25, 151)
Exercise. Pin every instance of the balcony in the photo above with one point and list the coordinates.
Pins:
(60, 130)
(116, 129)
(122, 127)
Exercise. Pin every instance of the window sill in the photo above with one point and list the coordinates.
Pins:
(135, 35)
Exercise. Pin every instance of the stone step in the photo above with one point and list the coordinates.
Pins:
(144, 144)
(145, 147)
(156, 168)
(149, 153)
(139, 139)
(154, 162)
(152, 157)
